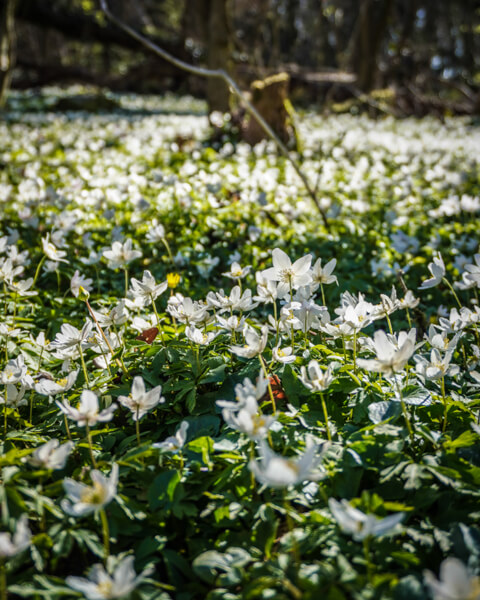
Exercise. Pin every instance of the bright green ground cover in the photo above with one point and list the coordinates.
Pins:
(401, 412)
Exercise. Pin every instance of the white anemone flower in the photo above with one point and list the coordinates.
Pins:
(51, 251)
(324, 275)
(11, 545)
(85, 499)
(287, 274)
(50, 387)
(87, 412)
(237, 272)
(392, 354)
(254, 343)
(79, 281)
(437, 269)
(100, 585)
(140, 401)
(119, 255)
(174, 443)
(283, 355)
(314, 378)
(277, 471)
(455, 582)
(473, 271)
(51, 455)
(360, 525)
(14, 396)
(198, 336)
(147, 289)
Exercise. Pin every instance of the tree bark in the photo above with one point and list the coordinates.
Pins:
(218, 54)
(7, 46)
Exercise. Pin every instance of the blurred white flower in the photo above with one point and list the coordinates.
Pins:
(51, 455)
(174, 443)
(455, 582)
(120, 255)
(85, 499)
(11, 545)
(51, 251)
(314, 378)
(100, 585)
(87, 412)
(360, 525)
(276, 471)
(50, 387)
(147, 289)
(324, 275)
(79, 281)
(437, 269)
(254, 343)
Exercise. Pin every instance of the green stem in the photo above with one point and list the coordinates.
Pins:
(449, 285)
(137, 427)
(270, 391)
(37, 272)
(84, 366)
(404, 409)
(290, 527)
(3, 580)
(366, 553)
(106, 533)
(325, 414)
(323, 294)
(355, 351)
(444, 398)
(126, 281)
(169, 252)
(90, 445)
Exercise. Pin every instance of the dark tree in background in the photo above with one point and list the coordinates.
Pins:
(418, 46)
(7, 45)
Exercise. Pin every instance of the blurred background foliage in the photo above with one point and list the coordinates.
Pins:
(426, 51)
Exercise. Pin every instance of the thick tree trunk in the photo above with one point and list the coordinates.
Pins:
(369, 33)
(218, 54)
(7, 46)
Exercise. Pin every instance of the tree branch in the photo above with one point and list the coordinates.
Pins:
(222, 75)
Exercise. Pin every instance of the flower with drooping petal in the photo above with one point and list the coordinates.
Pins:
(360, 525)
(140, 401)
(314, 378)
(283, 355)
(147, 289)
(455, 582)
(254, 343)
(85, 499)
(174, 443)
(50, 387)
(437, 269)
(51, 251)
(392, 353)
(87, 412)
(51, 455)
(277, 471)
(11, 545)
(100, 585)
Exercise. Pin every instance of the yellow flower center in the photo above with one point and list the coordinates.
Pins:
(94, 495)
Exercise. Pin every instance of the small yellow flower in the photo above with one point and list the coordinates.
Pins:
(173, 279)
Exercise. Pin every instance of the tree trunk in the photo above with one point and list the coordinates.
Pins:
(369, 33)
(7, 46)
(218, 54)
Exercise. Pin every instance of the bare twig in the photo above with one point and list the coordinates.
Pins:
(223, 75)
